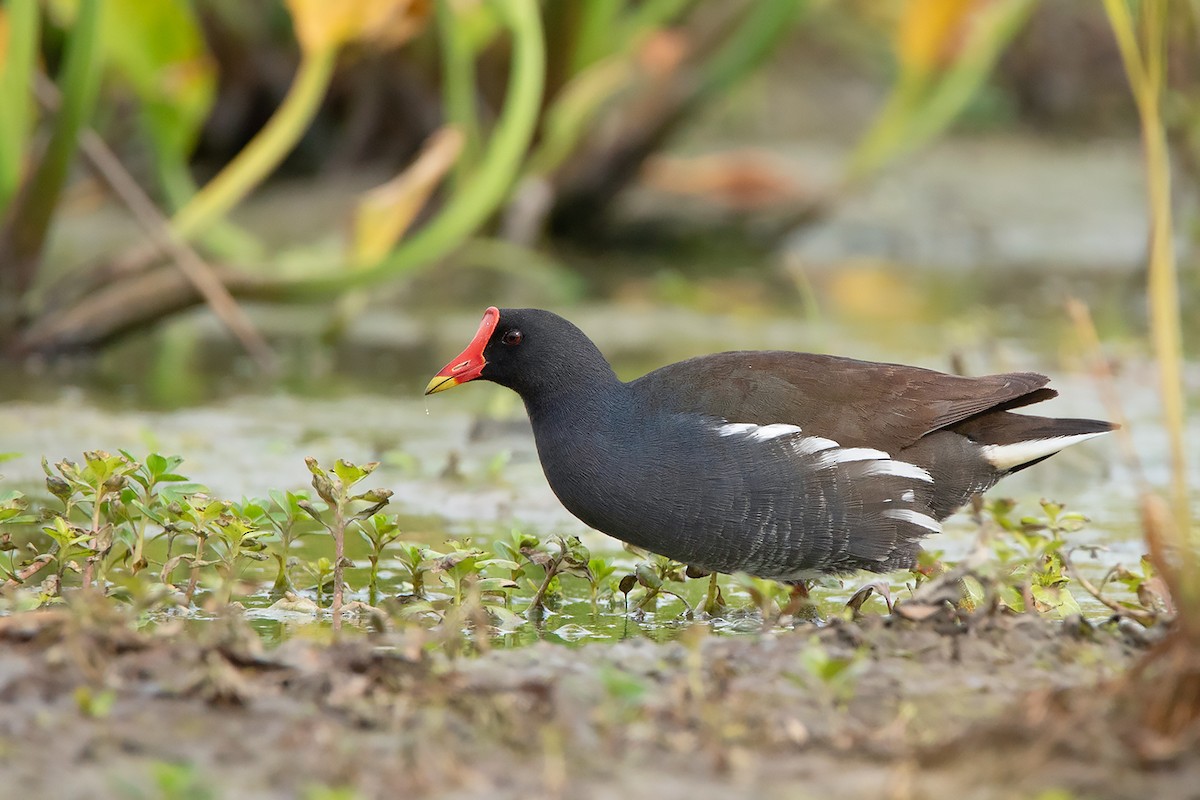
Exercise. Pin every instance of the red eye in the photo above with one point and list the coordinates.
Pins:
(512, 338)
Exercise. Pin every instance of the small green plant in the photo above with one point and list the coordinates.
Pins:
(156, 479)
(92, 489)
(197, 517)
(463, 568)
(513, 549)
(285, 515)
(653, 576)
(379, 532)
(336, 488)
(179, 782)
(70, 542)
(1030, 553)
(769, 597)
(569, 557)
(1151, 597)
(321, 572)
(600, 574)
(14, 512)
(415, 560)
(834, 675)
(236, 539)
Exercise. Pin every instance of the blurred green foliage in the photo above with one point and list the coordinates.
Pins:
(592, 89)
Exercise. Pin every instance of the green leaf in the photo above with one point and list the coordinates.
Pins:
(27, 221)
(495, 584)
(158, 48)
(181, 490)
(351, 474)
(647, 577)
(19, 40)
(156, 464)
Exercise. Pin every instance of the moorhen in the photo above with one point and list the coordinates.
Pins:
(778, 464)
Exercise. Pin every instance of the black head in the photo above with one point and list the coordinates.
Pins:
(531, 351)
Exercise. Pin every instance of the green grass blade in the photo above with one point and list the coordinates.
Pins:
(458, 85)
(18, 57)
(24, 234)
(764, 27)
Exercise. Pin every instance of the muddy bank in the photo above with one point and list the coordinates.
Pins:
(881, 708)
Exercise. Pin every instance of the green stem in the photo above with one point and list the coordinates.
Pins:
(223, 240)
(281, 585)
(16, 93)
(373, 580)
(765, 25)
(93, 556)
(458, 86)
(1146, 72)
(339, 553)
(194, 575)
(264, 152)
(539, 597)
(139, 534)
(480, 196)
(22, 238)
(598, 22)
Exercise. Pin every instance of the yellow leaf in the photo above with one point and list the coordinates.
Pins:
(385, 212)
(931, 32)
(393, 22)
(321, 24)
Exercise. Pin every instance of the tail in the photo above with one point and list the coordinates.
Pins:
(1012, 442)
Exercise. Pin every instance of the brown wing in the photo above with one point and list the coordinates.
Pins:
(855, 403)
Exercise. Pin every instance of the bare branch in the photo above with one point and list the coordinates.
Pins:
(114, 175)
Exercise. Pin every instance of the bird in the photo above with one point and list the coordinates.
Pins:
(782, 465)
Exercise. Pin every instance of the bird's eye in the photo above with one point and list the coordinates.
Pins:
(512, 338)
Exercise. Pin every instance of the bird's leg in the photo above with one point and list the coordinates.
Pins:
(714, 603)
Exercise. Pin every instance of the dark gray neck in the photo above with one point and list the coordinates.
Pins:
(589, 399)
(574, 381)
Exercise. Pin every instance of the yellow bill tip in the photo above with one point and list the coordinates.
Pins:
(440, 383)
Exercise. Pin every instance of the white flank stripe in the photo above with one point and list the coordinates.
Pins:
(914, 517)
(759, 433)
(767, 432)
(1007, 456)
(735, 428)
(858, 454)
(812, 444)
(901, 469)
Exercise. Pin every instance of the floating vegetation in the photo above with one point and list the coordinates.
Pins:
(143, 534)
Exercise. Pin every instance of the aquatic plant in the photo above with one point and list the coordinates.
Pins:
(336, 487)
(379, 532)
(153, 539)
(1030, 551)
